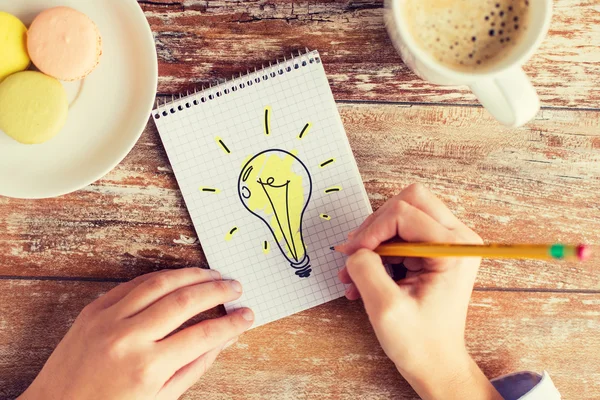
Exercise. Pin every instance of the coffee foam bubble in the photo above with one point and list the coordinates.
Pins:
(466, 35)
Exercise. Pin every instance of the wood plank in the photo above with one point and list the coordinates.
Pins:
(200, 41)
(320, 353)
(539, 183)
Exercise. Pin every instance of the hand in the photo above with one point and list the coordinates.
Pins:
(420, 320)
(119, 346)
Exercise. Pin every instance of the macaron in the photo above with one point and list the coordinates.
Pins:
(64, 43)
(33, 107)
(13, 45)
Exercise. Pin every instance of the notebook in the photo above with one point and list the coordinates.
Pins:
(270, 182)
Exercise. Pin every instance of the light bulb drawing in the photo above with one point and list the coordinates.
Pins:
(276, 187)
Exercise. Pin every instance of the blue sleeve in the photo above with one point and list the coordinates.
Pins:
(526, 386)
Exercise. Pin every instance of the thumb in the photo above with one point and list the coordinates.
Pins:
(374, 284)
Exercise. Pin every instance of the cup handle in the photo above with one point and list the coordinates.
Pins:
(509, 97)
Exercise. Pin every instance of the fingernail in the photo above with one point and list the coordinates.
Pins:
(341, 248)
(248, 315)
(232, 341)
(215, 275)
(236, 286)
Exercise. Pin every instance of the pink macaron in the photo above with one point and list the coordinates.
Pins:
(64, 43)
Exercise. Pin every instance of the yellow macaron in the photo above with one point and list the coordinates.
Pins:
(33, 107)
(13, 45)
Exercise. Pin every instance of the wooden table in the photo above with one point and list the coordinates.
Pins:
(533, 184)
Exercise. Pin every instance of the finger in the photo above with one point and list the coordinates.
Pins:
(392, 259)
(415, 264)
(422, 198)
(383, 210)
(369, 275)
(189, 344)
(114, 295)
(403, 220)
(367, 222)
(352, 292)
(168, 313)
(344, 277)
(159, 286)
(188, 375)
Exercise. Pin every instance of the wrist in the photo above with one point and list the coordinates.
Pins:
(453, 377)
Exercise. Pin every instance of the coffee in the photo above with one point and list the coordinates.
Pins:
(466, 35)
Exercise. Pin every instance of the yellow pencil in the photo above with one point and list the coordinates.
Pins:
(514, 251)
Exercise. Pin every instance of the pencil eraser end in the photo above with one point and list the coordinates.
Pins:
(583, 252)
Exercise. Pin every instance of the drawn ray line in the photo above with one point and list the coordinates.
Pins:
(325, 163)
(266, 247)
(222, 144)
(305, 130)
(230, 233)
(210, 190)
(267, 121)
(333, 189)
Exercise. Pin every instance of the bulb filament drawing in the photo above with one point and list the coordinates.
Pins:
(276, 187)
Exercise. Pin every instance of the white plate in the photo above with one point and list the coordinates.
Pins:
(106, 118)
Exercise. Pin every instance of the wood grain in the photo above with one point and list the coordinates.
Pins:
(201, 41)
(540, 183)
(327, 352)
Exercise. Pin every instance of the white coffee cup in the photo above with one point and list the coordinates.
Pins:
(503, 88)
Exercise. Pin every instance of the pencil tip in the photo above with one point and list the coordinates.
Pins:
(332, 248)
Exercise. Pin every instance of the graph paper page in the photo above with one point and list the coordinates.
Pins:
(302, 191)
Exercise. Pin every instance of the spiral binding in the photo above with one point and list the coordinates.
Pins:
(234, 84)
